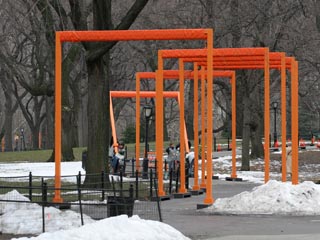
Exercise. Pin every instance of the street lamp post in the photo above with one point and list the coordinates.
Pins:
(147, 113)
(275, 138)
(22, 139)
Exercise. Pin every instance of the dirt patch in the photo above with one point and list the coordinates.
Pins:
(305, 157)
(309, 164)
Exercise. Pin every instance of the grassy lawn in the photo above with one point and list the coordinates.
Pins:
(44, 155)
(34, 156)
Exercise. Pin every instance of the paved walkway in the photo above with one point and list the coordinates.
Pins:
(182, 214)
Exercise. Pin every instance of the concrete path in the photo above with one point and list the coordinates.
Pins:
(183, 215)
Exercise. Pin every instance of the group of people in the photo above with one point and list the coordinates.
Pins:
(173, 159)
(117, 158)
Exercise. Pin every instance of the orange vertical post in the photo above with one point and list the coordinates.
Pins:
(203, 128)
(266, 115)
(209, 199)
(294, 121)
(283, 117)
(196, 128)
(182, 133)
(233, 124)
(138, 122)
(159, 123)
(57, 117)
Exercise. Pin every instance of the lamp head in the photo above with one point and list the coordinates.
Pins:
(147, 111)
(275, 105)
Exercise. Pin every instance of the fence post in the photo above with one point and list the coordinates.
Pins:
(131, 191)
(44, 191)
(186, 174)
(102, 185)
(79, 197)
(121, 181)
(151, 183)
(156, 167)
(132, 166)
(269, 140)
(79, 179)
(137, 184)
(158, 201)
(170, 180)
(177, 179)
(30, 186)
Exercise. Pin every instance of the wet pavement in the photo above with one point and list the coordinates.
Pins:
(183, 215)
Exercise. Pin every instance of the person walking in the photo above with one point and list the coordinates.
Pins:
(172, 158)
(289, 160)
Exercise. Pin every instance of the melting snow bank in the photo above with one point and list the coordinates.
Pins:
(272, 198)
(26, 218)
(116, 228)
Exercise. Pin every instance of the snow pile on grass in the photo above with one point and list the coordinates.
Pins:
(26, 218)
(117, 228)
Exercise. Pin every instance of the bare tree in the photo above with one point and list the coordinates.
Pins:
(98, 66)
(10, 108)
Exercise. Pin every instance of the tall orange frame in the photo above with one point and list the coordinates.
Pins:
(132, 94)
(203, 53)
(160, 76)
(139, 77)
(111, 36)
(228, 60)
(173, 74)
(277, 61)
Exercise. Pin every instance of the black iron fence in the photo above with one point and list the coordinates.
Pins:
(101, 197)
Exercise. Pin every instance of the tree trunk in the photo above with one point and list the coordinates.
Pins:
(35, 137)
(98, 120)
(8, 131)
(8, 122)
(318, 14)
(9, 110)
(256, 145)
(255, 137)
(68, 111)
(257, 121)
(67, 136)
(49, 126)
(190, 114)
(246, 137)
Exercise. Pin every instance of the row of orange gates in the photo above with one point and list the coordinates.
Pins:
(302, 144)
(16, 142)
(207, 60)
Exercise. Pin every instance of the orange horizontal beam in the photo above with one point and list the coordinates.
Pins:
(174, 74)
(167, 74)
(239, 52)
(243, 66)
(133, 35)
(229, 58)
(241, 62)
(143, 94)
